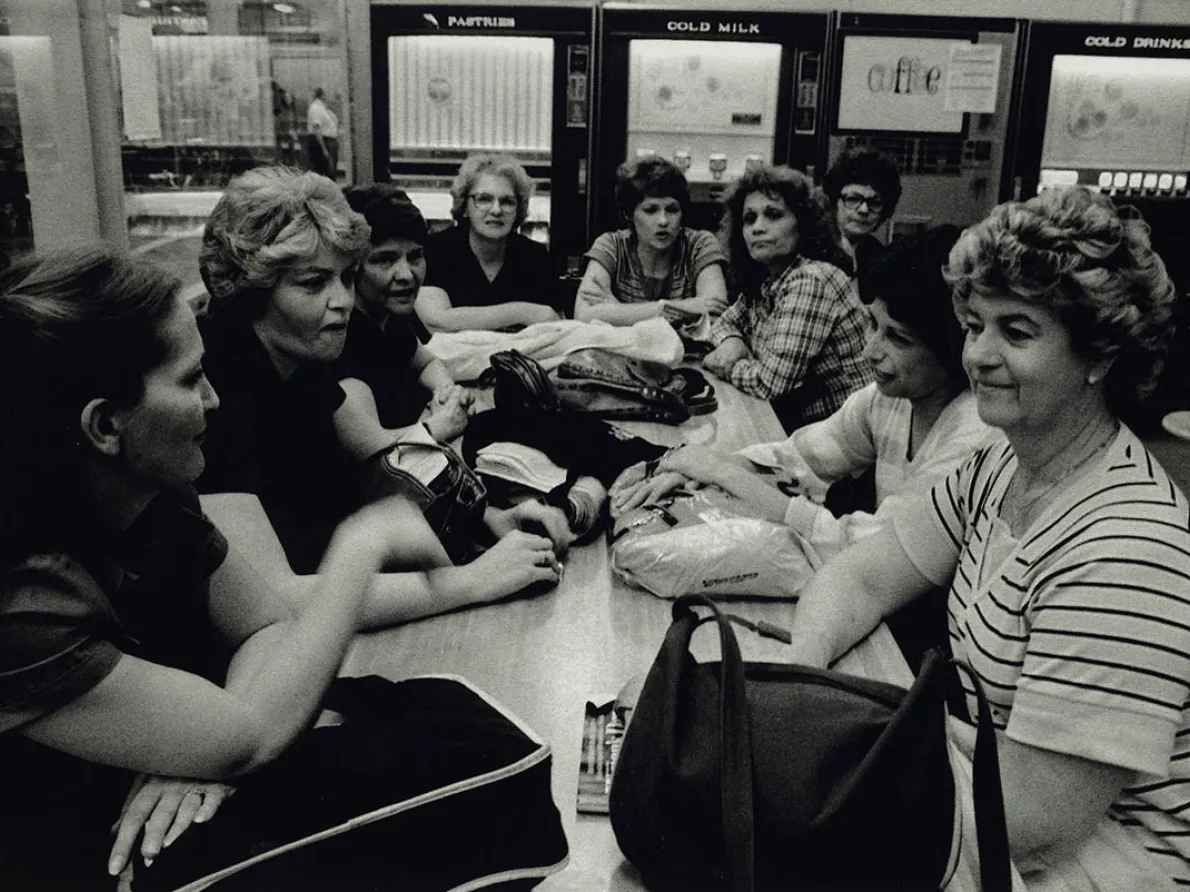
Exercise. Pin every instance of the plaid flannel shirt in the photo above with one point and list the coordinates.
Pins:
(806, 328)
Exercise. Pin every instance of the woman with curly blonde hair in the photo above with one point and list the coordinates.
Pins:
(280, 255)
(1066, 547)
(482, 273)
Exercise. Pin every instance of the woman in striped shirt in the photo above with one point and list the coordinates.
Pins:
(1066, 548)
(655, 266)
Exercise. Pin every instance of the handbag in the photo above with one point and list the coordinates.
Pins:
(605, 384)
(756, 776)
(450, 494)
(427, 783)
(707, 541)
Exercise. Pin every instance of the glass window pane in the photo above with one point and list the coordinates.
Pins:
(212, 88)
(47, 188)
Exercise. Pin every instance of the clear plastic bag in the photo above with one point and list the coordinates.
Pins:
(706, 541)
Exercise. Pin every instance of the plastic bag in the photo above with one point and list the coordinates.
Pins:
(708, 542)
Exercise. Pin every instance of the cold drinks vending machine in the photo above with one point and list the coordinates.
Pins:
(1108, 107)
(452, 80)
(936, 95)
(712, 90)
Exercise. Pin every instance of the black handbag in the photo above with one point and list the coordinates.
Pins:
(603, 384)
(450, 494)
(427, 784)
(741, 776)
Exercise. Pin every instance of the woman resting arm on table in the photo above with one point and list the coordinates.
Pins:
(914, 424)
(145, 666)
(1066, 549)
(656, 266)
(483, 273)
(795, 334)
(279, 259)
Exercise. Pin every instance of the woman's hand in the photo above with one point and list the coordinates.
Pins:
(516, 562)
(649, 489)
(534, 517)
(159, 810)
(454, 393)
(695, 462)
(712, 304)
(448, 417)
(723, 358)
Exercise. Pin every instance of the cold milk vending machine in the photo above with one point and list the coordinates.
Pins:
(713, 90)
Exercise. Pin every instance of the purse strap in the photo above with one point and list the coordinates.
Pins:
(735, 741)
(735, 748)
(991, 828)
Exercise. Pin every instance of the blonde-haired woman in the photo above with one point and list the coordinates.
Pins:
(482, 273)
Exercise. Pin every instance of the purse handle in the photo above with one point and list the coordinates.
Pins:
(735, 750)
(735, 740)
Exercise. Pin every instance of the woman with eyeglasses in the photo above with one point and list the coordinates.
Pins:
(656, 266)
(862, 188)
(482, 273)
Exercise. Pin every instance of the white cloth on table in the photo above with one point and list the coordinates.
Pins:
(467, 354)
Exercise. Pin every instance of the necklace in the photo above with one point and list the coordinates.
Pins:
(1022, 502)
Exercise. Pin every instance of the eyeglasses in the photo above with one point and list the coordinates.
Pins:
(484, 201)
(853, 200)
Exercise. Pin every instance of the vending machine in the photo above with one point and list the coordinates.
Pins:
(935, 94)
(449, 81)
(1108, 106)
(712, 90)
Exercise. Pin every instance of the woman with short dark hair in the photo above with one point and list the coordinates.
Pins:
(656, 266)
(144, 668)
(862, 189)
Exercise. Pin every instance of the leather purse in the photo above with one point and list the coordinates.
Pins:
(604, 384)
(762, 776)
(451, 496)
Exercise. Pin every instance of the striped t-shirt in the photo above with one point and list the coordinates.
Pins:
(1081, 635)
(693, 251)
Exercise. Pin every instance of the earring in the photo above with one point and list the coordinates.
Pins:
(1093, 378)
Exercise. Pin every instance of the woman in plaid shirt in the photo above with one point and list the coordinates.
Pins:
(795, 333)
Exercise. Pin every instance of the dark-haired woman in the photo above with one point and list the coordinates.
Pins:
(143, 666)
(795, 333)
(862, 189)
(915, 423)
(387, 374)
(656, 266)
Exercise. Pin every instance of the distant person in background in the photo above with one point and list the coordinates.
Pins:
(482, 273)
(323, 146)
(386, 372)
(656, 266)
(795, 334)
(862, 189)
